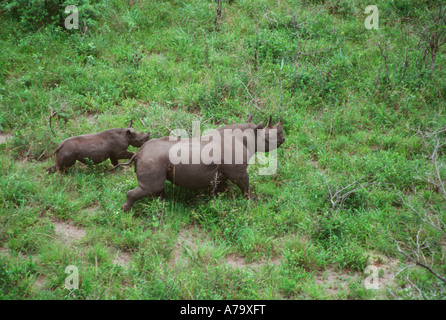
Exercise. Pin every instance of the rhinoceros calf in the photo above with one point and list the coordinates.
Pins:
(97, 147)
(154, 164)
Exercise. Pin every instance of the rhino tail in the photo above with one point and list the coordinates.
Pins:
(52, 168)
(56, 151)
(132, 159)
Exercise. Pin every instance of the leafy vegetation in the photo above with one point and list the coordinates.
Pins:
(360, 180)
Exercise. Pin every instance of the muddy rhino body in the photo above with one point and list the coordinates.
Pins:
(97, 147)
(153, 165)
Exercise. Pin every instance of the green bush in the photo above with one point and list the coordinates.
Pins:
(35, 14)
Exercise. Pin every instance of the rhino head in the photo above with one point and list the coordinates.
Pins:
(136, 139)
(271, 137)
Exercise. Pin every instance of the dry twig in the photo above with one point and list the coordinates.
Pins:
(338, 198)
(418, 263)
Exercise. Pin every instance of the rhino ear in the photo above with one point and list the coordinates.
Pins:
(280, 121)
(130, 133)
(258, 126)
(249, 118)
(270, 122)
(130, 123)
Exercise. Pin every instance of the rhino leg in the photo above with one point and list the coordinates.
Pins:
(134, 195)
(51, 169)
(220, 184)
(243, 183)
(138, 193)
(64, 161)
(122, 155)
(151, 182)
(241, 178)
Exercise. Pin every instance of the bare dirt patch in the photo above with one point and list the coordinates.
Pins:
(122, 258)
(192, 240)
(4, 137)
(92, 209)
(334, 282)
(189, 239)
(238, 262)
(40, 284)
(67, 233)
(379, 276)
(386, 268)
(4, 251)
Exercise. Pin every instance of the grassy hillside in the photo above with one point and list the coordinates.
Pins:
(356, 209)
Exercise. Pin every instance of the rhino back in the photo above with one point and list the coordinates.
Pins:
(157, 148)
(95, 146)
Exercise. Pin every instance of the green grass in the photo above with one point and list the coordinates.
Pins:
(164, 64)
